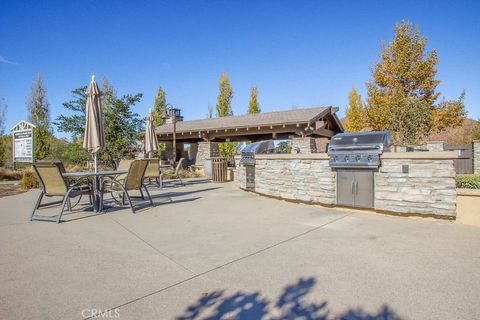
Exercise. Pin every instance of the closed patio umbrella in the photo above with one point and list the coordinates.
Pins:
(150, 141)
(94, 139)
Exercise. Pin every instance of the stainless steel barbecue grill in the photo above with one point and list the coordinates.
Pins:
(248, 159)
(355, 157)
(261, 147)
(358, 150)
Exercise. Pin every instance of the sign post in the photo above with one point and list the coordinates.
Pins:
(23, 139)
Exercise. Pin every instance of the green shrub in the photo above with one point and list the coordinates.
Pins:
(29, 180)
(468, 182)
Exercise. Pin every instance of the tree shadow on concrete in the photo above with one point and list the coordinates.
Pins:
(291, 304)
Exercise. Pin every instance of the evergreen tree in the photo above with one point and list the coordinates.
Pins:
(253, 106)
(225, 95)
(39, 115)
(74, 124)
(159, 107)
(121, 125)
(355, 113)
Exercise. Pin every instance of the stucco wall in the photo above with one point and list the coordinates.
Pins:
(468, 204)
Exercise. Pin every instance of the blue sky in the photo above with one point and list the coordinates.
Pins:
(298, 53)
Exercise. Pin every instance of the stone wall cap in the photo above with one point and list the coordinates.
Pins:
(468, 192)
(286, 156)
(421, 155)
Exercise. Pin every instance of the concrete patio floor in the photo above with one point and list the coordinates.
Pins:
(216, 252)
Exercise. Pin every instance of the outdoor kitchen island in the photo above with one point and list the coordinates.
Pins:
(407, 183)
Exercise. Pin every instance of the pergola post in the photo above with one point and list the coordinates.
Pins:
(206, 150)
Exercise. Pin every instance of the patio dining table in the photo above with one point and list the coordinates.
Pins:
(95, 176)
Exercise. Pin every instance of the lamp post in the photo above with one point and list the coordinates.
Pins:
(173, 114)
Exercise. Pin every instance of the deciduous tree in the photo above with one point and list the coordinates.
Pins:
(3, 110)
(402, 93)
(476, 134)
(253, 106)
(225, 96)
(39, 115)
(159, 107)
(224, 108)
(449, 114)
(355, 117)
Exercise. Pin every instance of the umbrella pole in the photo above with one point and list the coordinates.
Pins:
(95, 185)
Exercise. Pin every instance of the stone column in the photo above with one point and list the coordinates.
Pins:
(321, 144)
(476, 156)
(435, 146)
(206, 150)
(304, 145)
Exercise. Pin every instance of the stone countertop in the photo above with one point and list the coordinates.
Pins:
(386, 155)
(468, 192)
(421, 155)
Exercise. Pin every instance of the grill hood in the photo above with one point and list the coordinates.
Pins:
(375, 140)
(358, 150)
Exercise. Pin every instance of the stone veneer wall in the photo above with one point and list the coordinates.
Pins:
(427, 188)
(308, 180)
(435, 146)
(476, 156)
(206, 150)
(305, 145)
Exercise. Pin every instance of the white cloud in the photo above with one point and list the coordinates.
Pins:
(3, 60)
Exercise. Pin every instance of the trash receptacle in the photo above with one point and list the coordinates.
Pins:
(219, 169)
(207, 168)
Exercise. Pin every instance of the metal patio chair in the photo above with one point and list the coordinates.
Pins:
(53, 184)
(153, 172)
(176, 173)
(133, 180)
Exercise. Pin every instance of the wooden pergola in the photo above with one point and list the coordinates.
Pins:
(319, 122)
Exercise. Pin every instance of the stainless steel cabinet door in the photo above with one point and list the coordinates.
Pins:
(345, 187)
(363, 188)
